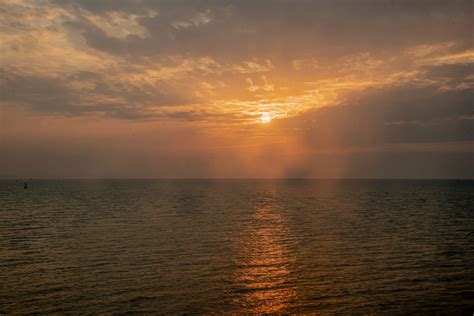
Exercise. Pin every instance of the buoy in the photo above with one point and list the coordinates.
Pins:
(26, 186)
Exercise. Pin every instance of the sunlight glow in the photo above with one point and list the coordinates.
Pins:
(265, 118)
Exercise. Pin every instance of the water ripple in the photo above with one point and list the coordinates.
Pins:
(236, 246)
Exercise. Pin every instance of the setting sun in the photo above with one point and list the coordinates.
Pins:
(265, 118)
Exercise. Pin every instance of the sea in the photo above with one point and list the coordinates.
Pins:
(237, 247)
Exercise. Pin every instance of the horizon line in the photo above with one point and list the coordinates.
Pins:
(224, 178)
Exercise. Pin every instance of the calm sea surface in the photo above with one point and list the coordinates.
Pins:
(227, 246)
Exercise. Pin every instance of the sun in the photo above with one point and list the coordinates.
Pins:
(265, 118)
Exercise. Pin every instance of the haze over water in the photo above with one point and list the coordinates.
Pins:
(259, 246)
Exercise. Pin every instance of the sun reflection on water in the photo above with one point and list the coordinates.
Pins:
(264, 273)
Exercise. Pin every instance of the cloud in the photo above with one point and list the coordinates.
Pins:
(86, 93)
(149, 54)
(315, 28)
(337, 78)
(402, 114)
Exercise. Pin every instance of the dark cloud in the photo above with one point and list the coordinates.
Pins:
(452, 76)
(402, 114)
(102, 6)
(243, 29)
(56, 96)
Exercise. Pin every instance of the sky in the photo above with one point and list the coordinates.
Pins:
(236, 89)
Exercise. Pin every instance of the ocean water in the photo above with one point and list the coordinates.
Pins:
(237, 246)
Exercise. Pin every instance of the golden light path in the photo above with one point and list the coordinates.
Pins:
(263, 257)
